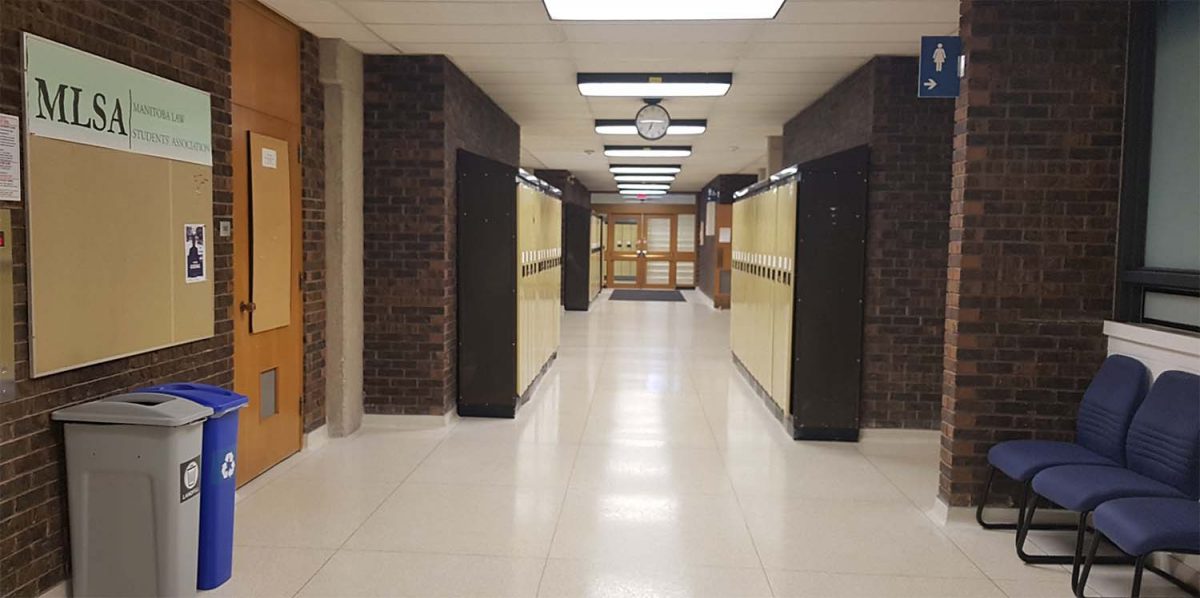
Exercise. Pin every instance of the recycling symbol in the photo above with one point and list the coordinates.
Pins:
(228, 466)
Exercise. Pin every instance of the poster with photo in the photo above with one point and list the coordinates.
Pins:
(193, 243)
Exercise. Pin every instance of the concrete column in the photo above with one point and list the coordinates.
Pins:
(342, 76)
(775, 154)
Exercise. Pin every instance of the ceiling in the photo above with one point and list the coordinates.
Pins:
(527, 64)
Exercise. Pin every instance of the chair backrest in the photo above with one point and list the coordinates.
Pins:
(1164, 438)
(1108, 405)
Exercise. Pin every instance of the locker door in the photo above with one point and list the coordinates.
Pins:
(785, 244)
(736, 280)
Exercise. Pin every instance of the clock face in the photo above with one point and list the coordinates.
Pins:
(652, 122)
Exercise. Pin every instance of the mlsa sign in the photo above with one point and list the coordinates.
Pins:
(75, 96)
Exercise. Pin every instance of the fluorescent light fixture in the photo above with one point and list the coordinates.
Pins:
(654, 85)
(646, 192)
(644, 178)
(661, 10)
(644, 169)
(785, 173)
(641, 186)
(613, 126)
(647, 151)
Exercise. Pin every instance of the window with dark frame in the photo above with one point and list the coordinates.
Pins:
(1159, 247)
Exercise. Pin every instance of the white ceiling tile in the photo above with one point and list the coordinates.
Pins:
(376, 47)
(527, 64)
(624, 32)
(310, 11)
(446, 13)
(351, 32)
(677, 53)
(479, 49)
(857, 32)
(870, 11)
(511, 34)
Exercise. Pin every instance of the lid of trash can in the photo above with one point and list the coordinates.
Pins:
(221, 400)
(137, 408)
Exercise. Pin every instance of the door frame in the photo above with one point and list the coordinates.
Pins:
(612, 211)
(257, 105)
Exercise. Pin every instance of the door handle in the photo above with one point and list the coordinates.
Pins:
(247, 307)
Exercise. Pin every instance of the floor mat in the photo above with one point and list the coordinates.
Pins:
(643, 295)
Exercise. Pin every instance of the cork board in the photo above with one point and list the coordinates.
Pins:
(271, 233)
(107, 254)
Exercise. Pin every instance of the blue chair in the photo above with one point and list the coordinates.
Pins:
(1162, 459)
(1103, 421)
(1141, 527)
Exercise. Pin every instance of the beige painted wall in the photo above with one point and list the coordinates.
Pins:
(341, 74)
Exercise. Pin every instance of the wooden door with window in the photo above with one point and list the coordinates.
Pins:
(267, 308)
(650, 247)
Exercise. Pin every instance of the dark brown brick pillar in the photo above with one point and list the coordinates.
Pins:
(417, 112)
(1033, 230)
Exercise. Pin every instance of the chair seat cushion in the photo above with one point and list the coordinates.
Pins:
(1084, 487)
(1022, 459)
(1144, 525)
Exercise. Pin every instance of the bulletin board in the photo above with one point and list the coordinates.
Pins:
(108, 253)
(118, 164)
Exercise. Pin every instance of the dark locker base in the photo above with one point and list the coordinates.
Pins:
(507, 411)
(641, 295)
(789, 424)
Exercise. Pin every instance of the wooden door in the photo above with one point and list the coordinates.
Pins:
(624, 251)
(267, 255)
(658, 247)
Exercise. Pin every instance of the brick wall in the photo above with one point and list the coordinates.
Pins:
(908, 214)
(312, 163)
(838, 120)
(1037, 151)
(907, 236)
(184, 41)
(418, 111)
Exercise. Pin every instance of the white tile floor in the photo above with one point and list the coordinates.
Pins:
(643, 467)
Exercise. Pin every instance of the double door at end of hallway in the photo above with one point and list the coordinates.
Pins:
(651, 250)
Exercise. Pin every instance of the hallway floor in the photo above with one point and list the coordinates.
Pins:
(643, 466)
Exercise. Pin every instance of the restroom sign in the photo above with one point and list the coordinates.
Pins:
(939, 74)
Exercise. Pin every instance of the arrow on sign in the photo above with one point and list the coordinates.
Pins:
(930, 84)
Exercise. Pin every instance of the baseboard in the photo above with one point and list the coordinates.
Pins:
(385, 420)
(897, 435)
(316, 439)
(942, 514)
(62, 590)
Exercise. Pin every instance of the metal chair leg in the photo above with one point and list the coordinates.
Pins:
(983, 499)
(1081, 585)
(1138, 567)
(1077, 559)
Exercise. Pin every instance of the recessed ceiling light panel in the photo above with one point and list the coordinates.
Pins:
(644, 169)
(654, 85)
(661, 10)
(644, 178)
(642, 186)
(647, 151)
(617, 126)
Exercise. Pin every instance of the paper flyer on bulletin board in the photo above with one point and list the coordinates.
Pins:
(193, 244)
(710, 218)
(10, 158)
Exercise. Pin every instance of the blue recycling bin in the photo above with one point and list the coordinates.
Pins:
(218, 483)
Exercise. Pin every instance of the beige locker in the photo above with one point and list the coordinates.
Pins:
(781, 330)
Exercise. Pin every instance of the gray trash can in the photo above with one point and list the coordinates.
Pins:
(133, 490)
